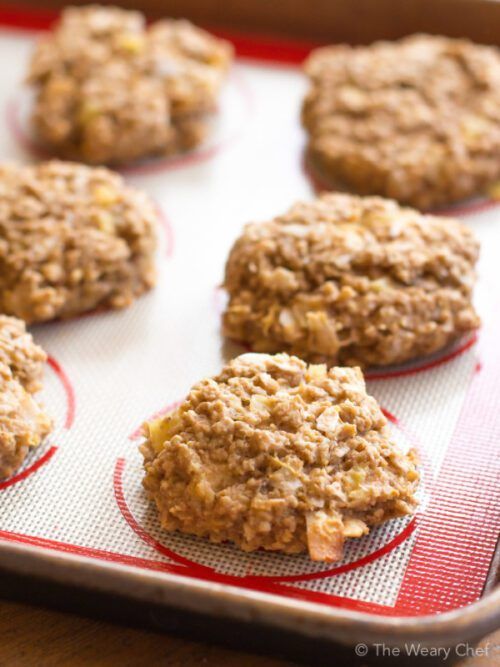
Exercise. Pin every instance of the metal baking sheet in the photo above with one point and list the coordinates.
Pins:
(76, 512)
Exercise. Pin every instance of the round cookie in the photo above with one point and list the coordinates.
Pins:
(110, 90)
(72, 239)
(351, 280)
(275, 454)
(417, 120)
(23, 424)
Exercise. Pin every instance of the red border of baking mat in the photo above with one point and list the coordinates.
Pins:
(284, 51)
(456, 537)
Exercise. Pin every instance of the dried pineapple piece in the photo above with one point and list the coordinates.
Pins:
(162, 429)
(316, 372)
(325, 537)
(105, 195)
(355, 528)
(131, 42)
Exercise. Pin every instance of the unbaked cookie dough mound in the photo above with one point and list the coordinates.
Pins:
(23, 423)
(72, 239)
(417, 120)
(351, 280)
(18, 351)
(275, 454)
(110, 90)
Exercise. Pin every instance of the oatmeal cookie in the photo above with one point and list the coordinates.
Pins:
(351, 280)
(23, 424)
(416, 120)
(275, 454)
(72, 239)
(110, 90)
(20, 354)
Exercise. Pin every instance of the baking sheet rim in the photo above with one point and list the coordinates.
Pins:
(306, 618)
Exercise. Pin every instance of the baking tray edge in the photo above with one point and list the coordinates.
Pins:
(221, 600)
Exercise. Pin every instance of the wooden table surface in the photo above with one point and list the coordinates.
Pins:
(31, 636)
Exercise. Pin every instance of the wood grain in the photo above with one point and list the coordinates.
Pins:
(30, 636)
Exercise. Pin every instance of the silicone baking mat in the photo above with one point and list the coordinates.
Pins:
(81, 493)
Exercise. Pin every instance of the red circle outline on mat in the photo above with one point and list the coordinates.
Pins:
(467, 207)
(68, 422)
(424, 365)
(151, 165)
(204, 569)
(420, 367)
(27, 472)
(68, 390)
